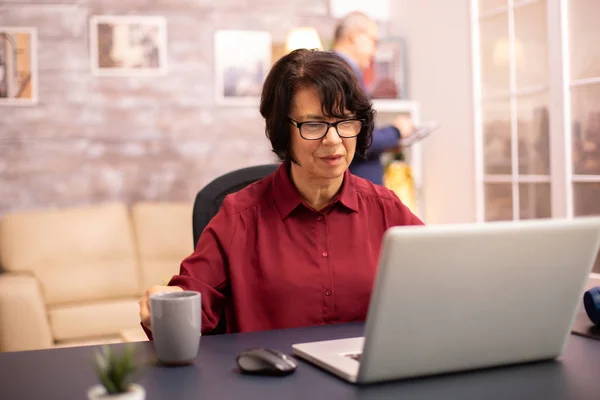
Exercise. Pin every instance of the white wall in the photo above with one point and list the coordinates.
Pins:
(439, 77)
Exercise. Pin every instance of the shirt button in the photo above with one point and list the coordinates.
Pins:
(320, 218)
(324, 254)
(328, 293)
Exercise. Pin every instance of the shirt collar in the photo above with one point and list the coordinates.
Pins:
(287, 197)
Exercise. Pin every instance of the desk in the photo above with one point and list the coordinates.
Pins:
(67, 374)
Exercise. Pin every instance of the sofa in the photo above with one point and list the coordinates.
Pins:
(74, 276)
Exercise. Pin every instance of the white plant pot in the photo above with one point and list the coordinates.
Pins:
(98, 392)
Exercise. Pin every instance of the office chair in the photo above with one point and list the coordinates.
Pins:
(208, 200)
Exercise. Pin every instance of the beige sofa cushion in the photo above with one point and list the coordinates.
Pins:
(100, 318)
(77, 254)
(164, 238)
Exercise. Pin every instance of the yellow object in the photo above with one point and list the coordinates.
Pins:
(398, 177)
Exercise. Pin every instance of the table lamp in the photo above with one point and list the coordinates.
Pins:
(302, 38)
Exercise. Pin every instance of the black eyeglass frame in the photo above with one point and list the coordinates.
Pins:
(329, 125)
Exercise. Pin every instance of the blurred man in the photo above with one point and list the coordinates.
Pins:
(355, 40)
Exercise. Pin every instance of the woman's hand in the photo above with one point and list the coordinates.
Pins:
(145, 315)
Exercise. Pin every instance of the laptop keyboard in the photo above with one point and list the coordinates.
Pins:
(354, 356)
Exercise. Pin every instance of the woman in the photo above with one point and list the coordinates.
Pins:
(299, 247)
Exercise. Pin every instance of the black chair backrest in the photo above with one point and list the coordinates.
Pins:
(208, 200)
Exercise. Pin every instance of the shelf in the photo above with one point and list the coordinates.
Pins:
(395, 106)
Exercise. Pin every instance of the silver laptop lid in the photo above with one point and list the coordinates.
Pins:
(457, 297)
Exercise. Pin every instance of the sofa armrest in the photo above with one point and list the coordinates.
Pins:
(23, 321)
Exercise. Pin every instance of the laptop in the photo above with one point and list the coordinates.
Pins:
(452, 298)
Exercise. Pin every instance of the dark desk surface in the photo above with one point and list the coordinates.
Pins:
(67, 374)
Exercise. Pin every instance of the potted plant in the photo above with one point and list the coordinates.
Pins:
(115, 372)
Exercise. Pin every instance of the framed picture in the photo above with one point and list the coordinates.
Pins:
(242, 61)
(18, 66)
(386, 77)
(128, 45)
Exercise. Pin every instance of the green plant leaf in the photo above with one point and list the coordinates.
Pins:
(115, 370)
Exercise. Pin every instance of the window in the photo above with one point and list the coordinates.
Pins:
(584, 85)
(537, 101)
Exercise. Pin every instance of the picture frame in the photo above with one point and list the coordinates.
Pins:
(242, 61)
(386, 78)
(18, 66)
(128, 45)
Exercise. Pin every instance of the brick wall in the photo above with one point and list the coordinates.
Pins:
(93, 139)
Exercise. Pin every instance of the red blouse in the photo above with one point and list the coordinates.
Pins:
(267, 260)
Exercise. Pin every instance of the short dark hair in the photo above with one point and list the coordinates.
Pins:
(336, 84)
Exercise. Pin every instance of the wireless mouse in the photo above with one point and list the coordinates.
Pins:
(262, 361)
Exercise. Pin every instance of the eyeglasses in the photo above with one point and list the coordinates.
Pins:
(315, 130)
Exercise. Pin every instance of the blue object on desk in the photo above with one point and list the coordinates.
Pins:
(591, 301)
